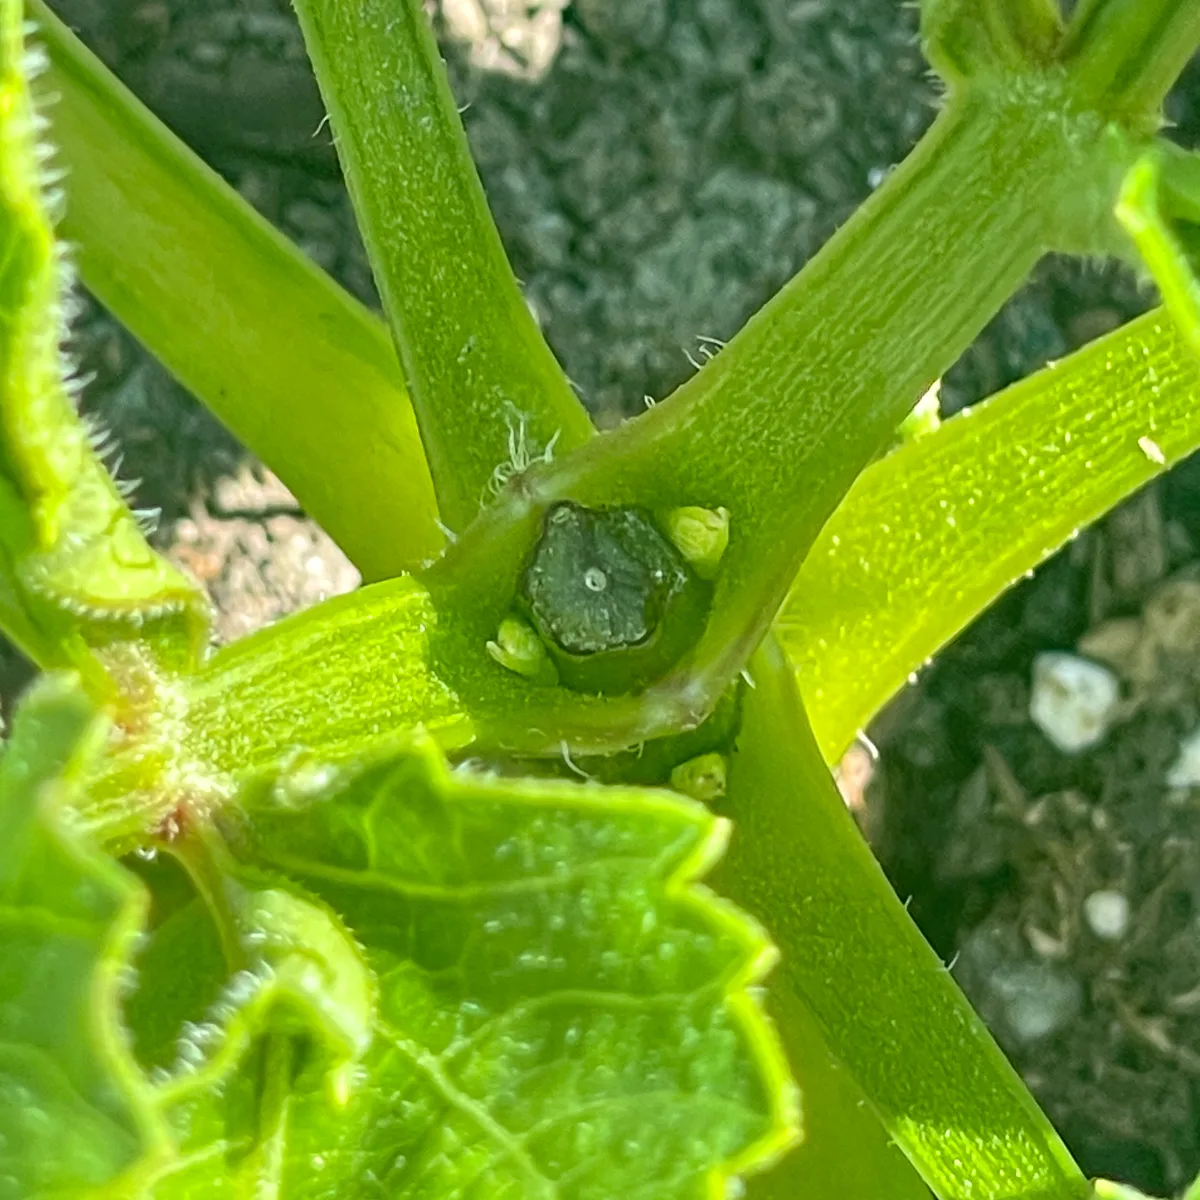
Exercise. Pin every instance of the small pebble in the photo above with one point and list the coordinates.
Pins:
(1184, 772)
(1021, 998)
(1074, 701)
(1172, 616)
(1039, 999)
(1107, 914)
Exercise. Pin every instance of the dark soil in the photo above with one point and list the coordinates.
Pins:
(658, 168)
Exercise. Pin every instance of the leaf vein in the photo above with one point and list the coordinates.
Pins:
(505, 1140)
(373, 879)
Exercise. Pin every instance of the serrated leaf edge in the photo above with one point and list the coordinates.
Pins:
(110, 977)
(60, 473)
(740, 992)
(683, 885)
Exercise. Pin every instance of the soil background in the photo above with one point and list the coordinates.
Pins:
(658, 168)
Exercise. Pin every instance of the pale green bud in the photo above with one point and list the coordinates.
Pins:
(700, 535)
(703, 777)
(518, 647)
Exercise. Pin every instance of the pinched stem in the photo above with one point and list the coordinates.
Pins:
(777, 426)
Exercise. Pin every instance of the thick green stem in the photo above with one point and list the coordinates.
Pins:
(777, 427)
(296, 367)
(774, 429)
(488, 393)
(931, 535)
(854, 961)
(1124, 55)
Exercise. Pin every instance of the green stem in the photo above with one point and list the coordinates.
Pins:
(202, 854)
(263, 1169)
(297, 368)
(777, 427)
(1140, 210)
(1125, 55)
(932, 534)
(963, 38)
(853, 960)
(485, 387)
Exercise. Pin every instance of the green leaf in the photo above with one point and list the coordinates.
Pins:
(556, 1006)
(294, 1020)
(76, 568)
(886, 1006)
(290, 957)
(931, 535)
(489, 397)
(180, 968)
(300, 371)
(74, 1113)
(524, 991)
(558, 995)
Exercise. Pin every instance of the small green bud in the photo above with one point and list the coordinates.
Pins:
(703, 777)
(700, 535)
(518, 647)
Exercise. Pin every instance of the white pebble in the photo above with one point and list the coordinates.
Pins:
(1107, 914)
(1039, 998)
(1184, 772)
(1074, 701)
